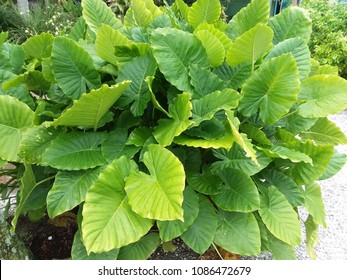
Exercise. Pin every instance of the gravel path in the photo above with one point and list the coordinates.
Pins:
(333, 239)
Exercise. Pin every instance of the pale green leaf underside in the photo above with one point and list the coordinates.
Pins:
(91, 107)
(108, 220)
(336, 163)
(323, 95)
(314, 203)
(325, 132)
(158, 195)
(238, 233)
(279, 216)
(14, 116)
(74, 151)
(311, 237)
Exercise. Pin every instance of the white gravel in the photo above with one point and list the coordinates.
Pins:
(333, 239)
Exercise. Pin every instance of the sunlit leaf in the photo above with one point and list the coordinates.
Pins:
(158, 195)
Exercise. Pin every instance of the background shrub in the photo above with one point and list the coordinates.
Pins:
(328, 42)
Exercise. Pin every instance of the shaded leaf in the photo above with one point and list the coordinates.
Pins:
(238, 233)
(200, 234)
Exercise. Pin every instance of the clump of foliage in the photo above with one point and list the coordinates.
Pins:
(173, 123)
(56, 19)
(328, 42)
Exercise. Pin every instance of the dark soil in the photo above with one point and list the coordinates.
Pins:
(52, 240)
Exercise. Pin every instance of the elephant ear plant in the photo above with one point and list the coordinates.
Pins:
(173, 123)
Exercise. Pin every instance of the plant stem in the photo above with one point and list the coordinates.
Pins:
(45, 180)
(215, 247)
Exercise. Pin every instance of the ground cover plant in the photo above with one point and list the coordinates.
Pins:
(173, 123)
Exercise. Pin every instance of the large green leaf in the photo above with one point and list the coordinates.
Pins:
(75, 150)
(14, 117)
(116, 145)
(201, 233)
(250, 46)
(273, 89)
(107, 38)
(204, 11)
(39, 46)
(179, 56)
(96, 13)
(138, 93)
(305, 173)
(300, 51)
(213, 46)
(238, 193)
(91, 107)
(238, 233)
(204, 81)
(325, 132)
(180, 111)
(69, 190)
(35, 140)
(160, 194)
(279, 216)
(27, 185)
(73, 68)
(79, 252)
(206, 107)
(314, 203)
(236, 158)
(291, 23)
(221, 141)
(336, 163)
(248, 17)
(278, 151)
(144, 11)
(169, 230)
(285, 185)
(140, 250)
(322, 95)
(108, 220)
(234, 76)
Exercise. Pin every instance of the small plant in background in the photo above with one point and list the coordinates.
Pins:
(173, 123)
(55, 18)
(328, 42)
